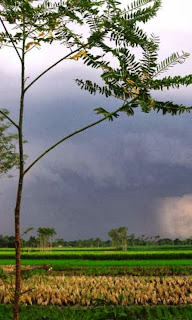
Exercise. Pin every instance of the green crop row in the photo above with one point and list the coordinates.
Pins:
(106, 312)
(93, 253)
(160, 248)
(114, 263)
(103, 256)
(101, 253)
(106, 249)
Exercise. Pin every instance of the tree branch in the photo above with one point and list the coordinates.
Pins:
(52, 66)
(10, 39)
(73, 134)
(6, 116)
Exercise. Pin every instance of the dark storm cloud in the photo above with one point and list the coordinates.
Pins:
(135, 171)
(115, 174)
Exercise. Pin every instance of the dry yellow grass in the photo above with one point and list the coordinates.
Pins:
(82, 290)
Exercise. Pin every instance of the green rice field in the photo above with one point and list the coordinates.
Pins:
(78, 262)
(98, 254)
(85, 257)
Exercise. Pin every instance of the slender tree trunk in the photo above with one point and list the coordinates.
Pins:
(16, 305)
(18, 251)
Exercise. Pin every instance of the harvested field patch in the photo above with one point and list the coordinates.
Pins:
(85, 290)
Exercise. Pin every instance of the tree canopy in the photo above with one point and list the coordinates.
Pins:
(119, 237)
(45, 236)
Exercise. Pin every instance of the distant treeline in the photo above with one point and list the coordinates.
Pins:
(132, 240)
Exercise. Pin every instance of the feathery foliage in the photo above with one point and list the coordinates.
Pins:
(133, 79)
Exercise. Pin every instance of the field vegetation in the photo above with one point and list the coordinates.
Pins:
(142, 283)
(100, 313)
(133, 253)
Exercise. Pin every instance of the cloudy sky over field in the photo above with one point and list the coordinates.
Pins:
(135, 171)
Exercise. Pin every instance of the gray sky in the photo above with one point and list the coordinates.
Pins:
(136, 171)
